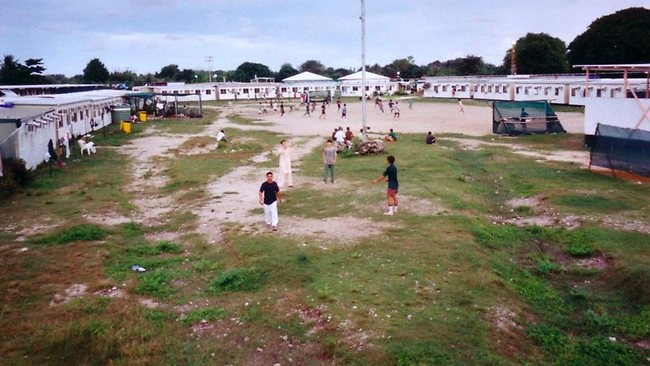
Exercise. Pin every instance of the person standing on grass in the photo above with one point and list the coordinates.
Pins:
(390, 175)
(270, 196)
(460, 104)
(285, 164)
(329, 159)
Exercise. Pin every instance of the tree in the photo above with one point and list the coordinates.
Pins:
(13, 72)
(286, 70)
(169, 72)
(622, 37)
(249, 70)
(95, 72)
(10, 72)
(127, 77)
(313, 66)
(538, 53)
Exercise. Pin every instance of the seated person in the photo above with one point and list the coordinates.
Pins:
(221, 136)
(430, 138)
(392, 136)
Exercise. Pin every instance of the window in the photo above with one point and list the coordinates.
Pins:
(377, 88)
(222, 91)
(444, 88)
(208, 92)
(256, 90)
(355, 88)
(245, 91)
(283, 90)
(294, 89)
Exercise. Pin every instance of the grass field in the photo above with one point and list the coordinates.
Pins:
(460, 284)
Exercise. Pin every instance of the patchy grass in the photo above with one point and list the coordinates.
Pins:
(84, 232)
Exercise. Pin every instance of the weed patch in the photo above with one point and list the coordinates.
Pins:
(204, 314)
(239, 279)
(155, 283)
(84, 232)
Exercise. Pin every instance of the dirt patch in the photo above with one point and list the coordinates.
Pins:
(573, 157)
(112, 292)
(106, 218)
(541, 214)
(643, 344)
(341, 230)
(507, 335)
(149, 303)
(73, 292)
(599, 262)
(163, 236)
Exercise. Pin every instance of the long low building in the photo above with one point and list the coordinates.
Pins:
(264, 88)
(28, 123)
(559, 89)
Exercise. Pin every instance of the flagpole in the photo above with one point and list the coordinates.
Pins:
(363, 68)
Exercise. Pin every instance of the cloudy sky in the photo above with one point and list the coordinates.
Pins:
(145, 35)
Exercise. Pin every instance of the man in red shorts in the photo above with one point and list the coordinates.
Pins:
(390, 175)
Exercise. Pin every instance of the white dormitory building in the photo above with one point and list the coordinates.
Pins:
(28, 123)
(264, 88)
(560, 89)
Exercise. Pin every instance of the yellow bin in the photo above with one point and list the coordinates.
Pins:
(125, 126)
(143, 116)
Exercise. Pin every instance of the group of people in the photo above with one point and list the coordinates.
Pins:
(270, 194)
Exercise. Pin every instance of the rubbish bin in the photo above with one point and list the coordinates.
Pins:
(125, 126)
(143, 116)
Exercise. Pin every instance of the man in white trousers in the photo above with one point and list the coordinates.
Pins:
(270, 196)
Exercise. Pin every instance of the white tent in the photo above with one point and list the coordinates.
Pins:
(369, 76)
(306, 76)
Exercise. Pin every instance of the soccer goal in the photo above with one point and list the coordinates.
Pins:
(524, 118)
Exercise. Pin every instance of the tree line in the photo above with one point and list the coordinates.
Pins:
(621, 37)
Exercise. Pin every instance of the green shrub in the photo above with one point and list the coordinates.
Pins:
(238, 279)
(155, 283)
(581, 250)
(15, 177)
(545, 266)
(550, 338)
(601, 352)
(636, 326)
(84, 232)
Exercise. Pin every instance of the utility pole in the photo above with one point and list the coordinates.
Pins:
(363, 68)
(209, 59)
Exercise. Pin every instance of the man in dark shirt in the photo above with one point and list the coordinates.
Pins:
(390, 175)
(430, 138)
(270, 196)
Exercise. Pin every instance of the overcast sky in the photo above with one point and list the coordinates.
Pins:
(145, 35)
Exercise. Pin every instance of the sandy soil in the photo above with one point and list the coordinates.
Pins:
(425, 116)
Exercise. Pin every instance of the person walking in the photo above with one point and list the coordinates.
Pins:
(307, 111)
(344, 111)
(390, 175)
(270, 196)
(286, 175)
(322, 111)
(460, 104)
(329, 159)
(396, 110)
(281, 109)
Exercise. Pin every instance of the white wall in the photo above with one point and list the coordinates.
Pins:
(615, 112)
